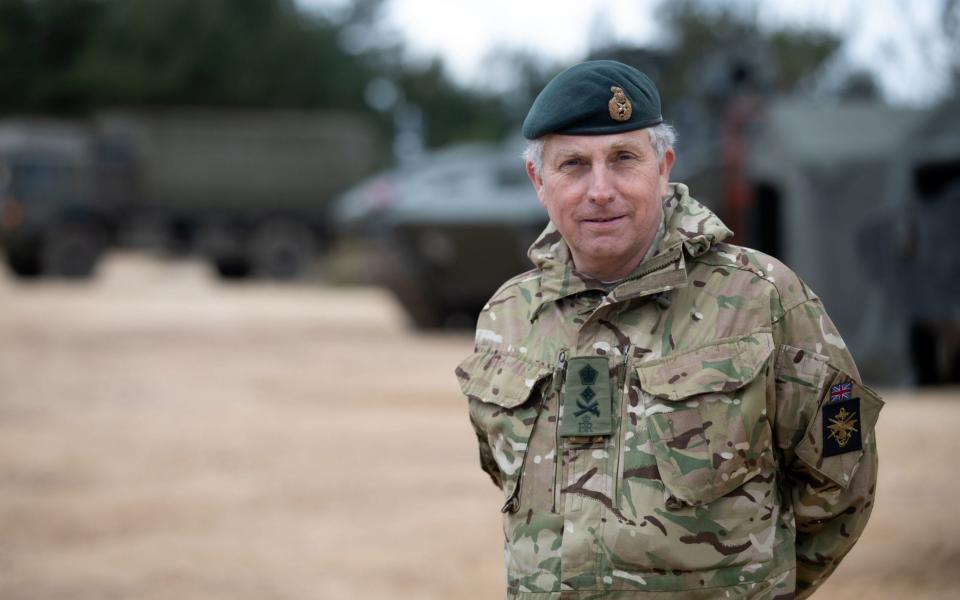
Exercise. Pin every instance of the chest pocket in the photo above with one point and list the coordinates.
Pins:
(707, 420)
(504, 393)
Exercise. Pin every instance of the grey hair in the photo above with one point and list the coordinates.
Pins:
(662, 137)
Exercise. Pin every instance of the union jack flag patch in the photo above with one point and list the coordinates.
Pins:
(841, 391)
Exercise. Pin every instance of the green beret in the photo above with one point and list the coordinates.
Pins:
(596, 97)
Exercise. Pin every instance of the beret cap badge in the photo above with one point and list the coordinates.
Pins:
(619, 105)
(597, 97)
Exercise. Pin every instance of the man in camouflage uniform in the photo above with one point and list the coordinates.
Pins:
(668, 415)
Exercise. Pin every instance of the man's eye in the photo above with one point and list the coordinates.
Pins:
(625, 156)
(571, 162)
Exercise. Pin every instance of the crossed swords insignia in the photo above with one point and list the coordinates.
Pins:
(593, 407)
(586, 404)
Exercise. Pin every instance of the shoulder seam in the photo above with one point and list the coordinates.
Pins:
(740, 267)
(764, 277)
(786, 311)
(516, 280)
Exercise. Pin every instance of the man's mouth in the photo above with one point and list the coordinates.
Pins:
(603, 219)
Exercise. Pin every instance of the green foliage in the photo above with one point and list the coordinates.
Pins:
(68, 56)
(39, 43)
(451, 113)
(71, 57)
(798, 53)
(714, 51)
(730, 37)
(217, 52)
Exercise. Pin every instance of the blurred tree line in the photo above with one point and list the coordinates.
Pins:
(70, 57)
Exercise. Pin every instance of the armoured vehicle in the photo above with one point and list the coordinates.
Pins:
(447, 228)
(249, 190)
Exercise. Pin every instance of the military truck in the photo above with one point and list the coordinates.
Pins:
(59, 200)
(247, 190)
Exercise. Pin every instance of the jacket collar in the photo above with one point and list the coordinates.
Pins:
(691, 230)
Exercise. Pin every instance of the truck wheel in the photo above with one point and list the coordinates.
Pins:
(281, 249)
(72, 251)
(405, 276)
(232, 267)
(24, 262)
(923, 354)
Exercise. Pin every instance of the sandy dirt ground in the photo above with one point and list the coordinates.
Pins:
(166, 436)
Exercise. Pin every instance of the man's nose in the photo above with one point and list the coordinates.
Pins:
(601, 187)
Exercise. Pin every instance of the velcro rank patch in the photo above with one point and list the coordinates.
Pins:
(586, 399)
(841, 427)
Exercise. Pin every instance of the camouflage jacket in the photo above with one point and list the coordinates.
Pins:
(726, 450)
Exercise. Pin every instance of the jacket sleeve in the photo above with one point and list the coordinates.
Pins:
(824, 427)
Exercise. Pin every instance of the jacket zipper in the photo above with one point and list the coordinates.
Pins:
(558, 378)
(624, 400)
(649, 270)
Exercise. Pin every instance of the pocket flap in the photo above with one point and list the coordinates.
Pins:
(501, 379)
(724, 366)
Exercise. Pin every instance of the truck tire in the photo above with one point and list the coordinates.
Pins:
(232, 267)
(407, 278)
(934, 352)
(24, 261)
(224, 245)
(73, 250)
(281, 249)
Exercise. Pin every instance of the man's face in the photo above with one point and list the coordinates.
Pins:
(604, 194)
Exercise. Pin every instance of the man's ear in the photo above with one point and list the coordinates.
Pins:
(665, 165)
(536, 180)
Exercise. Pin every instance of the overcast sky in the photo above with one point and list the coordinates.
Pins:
(893, 38)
